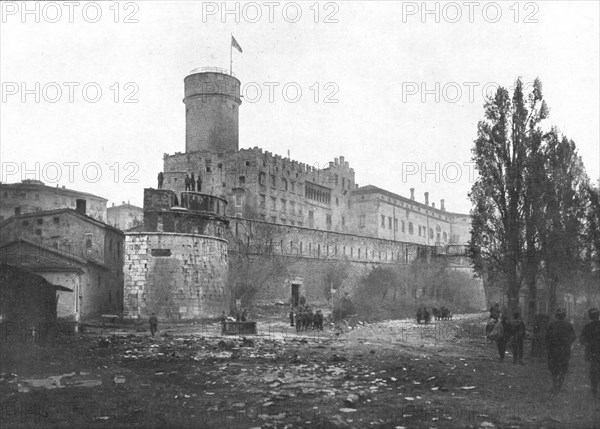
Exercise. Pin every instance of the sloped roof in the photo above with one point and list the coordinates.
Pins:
(10, 273)
(71, 212)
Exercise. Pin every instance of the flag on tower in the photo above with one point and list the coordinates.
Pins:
(235, 44)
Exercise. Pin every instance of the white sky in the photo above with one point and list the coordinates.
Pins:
(371, 56)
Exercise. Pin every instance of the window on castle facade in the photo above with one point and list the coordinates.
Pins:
(273, 181)
(284, 184)
(343, 221)
(242, 180)
(395, 224)
(328, 221)
(273, 203)
(410, 228)
(445, 236)
(238, 200)
(263, 201)
(283, 205)
(362, 220)
(88, 240)
(292, 186)
(262, 178)
(382, 221)
(430, 232)
(292, 207)
(389, 222)
(403, 225)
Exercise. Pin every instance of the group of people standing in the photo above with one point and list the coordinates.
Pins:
(558, 339)
(305, 318)
(191, 184)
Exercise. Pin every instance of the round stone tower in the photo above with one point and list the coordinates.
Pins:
(212, 100)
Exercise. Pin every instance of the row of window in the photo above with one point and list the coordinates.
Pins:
(283, 205)
(394, 222)
(286, 185)
(411, 207)
(319, 195)
(21, 195)
(331, 251)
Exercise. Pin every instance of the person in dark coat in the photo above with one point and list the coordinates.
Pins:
(517, 337)
(193, 182)
(538, 344)
(161, 179)
(153, 324)
(186, 182)
(426, 315)
(419, 314)
(590, 338)
(495, 312)
(559, 337)
(199, 184)
(503, 338)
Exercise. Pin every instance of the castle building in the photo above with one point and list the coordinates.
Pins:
(31, 196)
(263, 186)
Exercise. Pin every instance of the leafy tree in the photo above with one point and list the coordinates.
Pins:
(591, 243)
(563, 213)
(506, 138)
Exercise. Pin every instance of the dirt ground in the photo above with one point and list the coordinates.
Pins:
(380, 375)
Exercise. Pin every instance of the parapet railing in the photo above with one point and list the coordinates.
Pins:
(212, 70)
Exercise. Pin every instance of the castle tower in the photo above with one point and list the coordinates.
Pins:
(212, 99)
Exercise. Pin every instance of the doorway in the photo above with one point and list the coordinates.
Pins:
(295, 294)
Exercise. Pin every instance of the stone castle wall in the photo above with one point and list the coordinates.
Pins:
(176, 276)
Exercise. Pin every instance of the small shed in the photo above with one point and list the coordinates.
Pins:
(27, 299)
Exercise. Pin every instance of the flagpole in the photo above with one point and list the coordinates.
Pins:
(231, 55)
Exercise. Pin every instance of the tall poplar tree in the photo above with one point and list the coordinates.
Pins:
(506, 139)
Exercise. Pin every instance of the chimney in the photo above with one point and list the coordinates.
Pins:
(426, 198)
(80, 206)
(432, 205)
(113, 204)
(412, 194)
(442, 208)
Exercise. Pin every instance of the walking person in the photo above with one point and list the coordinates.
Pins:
(153, 324)
(517, 336)
(559, 337)
(499, 334)
(291, 316)
(590, 338)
